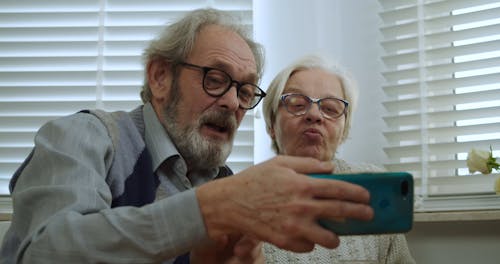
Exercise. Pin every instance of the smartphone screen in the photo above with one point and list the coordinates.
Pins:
(391, 197)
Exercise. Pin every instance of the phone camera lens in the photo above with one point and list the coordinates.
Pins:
(404, 188)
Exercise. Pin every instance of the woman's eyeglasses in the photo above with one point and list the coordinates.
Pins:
(299, 104)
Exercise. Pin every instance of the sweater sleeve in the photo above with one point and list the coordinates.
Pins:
(398, 252)
(62, 206)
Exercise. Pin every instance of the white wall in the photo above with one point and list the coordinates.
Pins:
(345, 31)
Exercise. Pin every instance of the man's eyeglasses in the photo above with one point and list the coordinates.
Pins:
(217, 82)
(299, 104)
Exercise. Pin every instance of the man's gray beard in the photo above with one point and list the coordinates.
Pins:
(199, 153)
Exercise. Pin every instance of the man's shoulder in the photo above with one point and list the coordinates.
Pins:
(120, 123)
(107, 116)
(92, 116)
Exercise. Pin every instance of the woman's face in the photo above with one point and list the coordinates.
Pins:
(311, 134)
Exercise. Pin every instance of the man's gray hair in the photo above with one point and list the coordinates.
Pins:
(176, 42)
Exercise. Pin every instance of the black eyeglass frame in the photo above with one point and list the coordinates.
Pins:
(314, 101)
(259, 92)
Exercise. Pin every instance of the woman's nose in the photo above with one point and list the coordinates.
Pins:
(314, 113)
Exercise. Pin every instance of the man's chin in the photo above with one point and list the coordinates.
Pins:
(218, 151)
(216, 141)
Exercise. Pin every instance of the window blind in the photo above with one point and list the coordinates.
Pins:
(58, 57)
(442, 85)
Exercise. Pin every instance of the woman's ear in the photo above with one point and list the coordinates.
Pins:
(159, 79)
(270, 131)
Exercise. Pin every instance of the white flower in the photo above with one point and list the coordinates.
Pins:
(482, 161)
(477, 160)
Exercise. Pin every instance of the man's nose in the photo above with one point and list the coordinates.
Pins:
(230, 100)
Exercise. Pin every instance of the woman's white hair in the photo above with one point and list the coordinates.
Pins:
(275, 90)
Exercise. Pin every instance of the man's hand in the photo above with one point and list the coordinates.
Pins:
(239, 250)
(276, 202)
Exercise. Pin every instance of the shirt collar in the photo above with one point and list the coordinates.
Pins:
(158, 142)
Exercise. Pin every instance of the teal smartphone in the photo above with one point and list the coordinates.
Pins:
(391, 197)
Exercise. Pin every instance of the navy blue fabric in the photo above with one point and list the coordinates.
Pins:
(184, 259)
(141, 185)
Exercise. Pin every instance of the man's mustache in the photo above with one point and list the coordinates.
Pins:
(222, 119)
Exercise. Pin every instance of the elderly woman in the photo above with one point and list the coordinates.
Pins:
(308, 112)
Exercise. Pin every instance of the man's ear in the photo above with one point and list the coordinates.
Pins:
(159, 79)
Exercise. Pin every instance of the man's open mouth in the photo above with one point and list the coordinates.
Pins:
(218, 127)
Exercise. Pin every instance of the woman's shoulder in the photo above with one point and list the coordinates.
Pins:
(365, 248)
(342, 166)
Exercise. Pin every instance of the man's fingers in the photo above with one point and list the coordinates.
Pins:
(304, 165)
(341, 210)
(322, 237)
(296, 245)
(245, 246)
(340, 190)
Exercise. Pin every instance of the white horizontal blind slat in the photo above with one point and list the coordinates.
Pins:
(59, 57)
(435, 72)
(395, 121)
(47, 67)
(445, 101)
(448, 74)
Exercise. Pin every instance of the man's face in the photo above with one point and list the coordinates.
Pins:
(203, 127)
